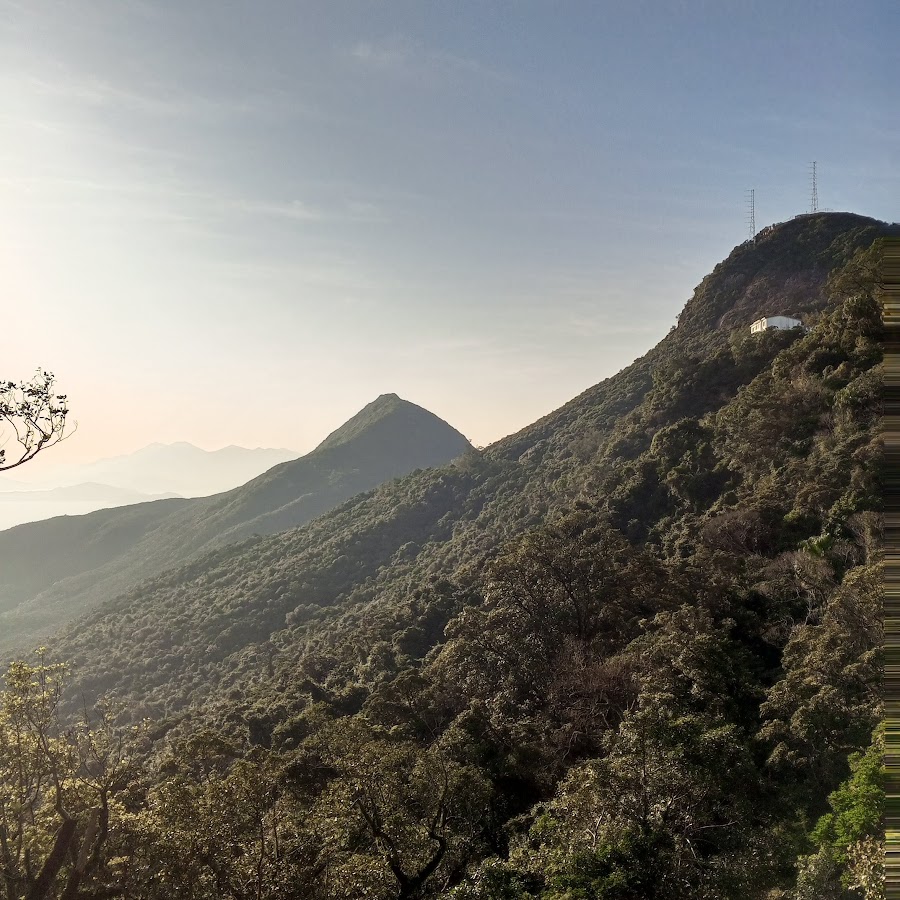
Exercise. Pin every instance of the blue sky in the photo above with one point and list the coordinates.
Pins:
(238, 222)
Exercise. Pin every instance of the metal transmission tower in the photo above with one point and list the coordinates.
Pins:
(751, 213)
(814, 191)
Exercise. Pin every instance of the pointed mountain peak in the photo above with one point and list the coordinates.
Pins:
(393, 417)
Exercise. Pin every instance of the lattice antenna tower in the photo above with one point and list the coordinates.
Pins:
(813, 189)
(751, 213)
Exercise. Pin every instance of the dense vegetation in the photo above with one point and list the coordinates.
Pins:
(631, 652)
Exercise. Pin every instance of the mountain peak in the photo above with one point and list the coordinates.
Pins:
(394, 419)
(782, 272)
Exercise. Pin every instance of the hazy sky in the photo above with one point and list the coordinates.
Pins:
(238, 222)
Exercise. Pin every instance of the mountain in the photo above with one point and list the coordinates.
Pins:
(441, 523)
(179, 468)
(633, 650)
(54, 569)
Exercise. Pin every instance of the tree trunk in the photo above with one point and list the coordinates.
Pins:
(84, 852)
(50, 870)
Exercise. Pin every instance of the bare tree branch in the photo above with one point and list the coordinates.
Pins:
(33, 415)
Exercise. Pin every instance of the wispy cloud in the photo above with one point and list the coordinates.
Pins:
(378, 57)
(159, 100)
(344, 211)
(196, 204)
(408, 58)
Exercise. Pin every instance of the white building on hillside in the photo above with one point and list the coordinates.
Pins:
(782, 323)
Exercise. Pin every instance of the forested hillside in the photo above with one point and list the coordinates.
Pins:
(54, 570)
(630, 652)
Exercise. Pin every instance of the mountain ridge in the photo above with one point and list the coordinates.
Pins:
(398, 440)
(633, 648)
(450, 520)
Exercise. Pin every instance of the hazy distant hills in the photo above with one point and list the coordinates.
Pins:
(89, 492)
(52, 570)
(10, 484)
(179, 468)
(22, 505)
(151, 473)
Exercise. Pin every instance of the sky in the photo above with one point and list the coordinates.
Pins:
(237, 222)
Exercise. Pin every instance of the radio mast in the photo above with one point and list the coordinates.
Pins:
(814, 191)
(751, 213)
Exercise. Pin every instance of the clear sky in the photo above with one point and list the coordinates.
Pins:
(234, 221)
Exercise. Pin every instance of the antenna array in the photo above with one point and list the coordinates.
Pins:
(814, 192)
(751, 213)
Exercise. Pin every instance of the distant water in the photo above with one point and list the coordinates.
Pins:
(15, 512)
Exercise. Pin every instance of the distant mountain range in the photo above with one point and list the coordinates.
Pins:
(179, 468)
(52, 570)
